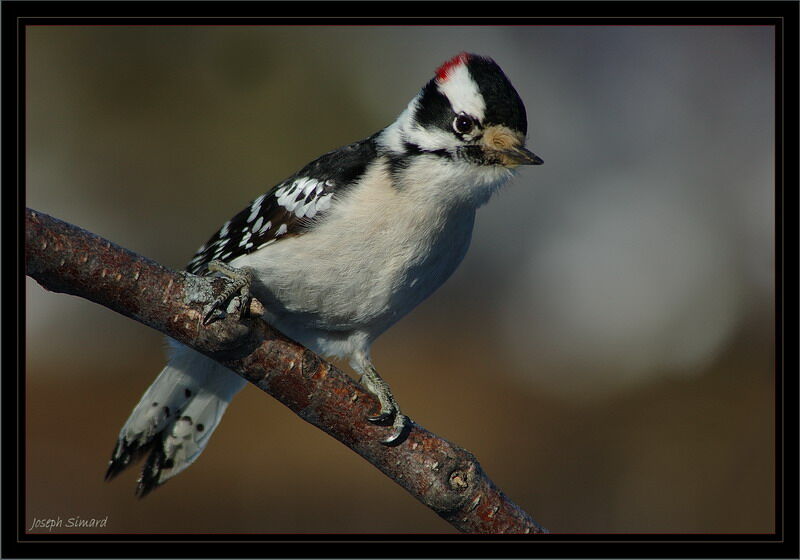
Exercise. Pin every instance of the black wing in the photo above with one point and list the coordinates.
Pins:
(287, 208)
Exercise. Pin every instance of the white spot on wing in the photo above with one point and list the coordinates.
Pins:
(286, 199)
(311, 184)
(255, 208)
(311, 208)
(324, 202)
(281, 230)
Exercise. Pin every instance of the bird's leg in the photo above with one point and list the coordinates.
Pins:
(373, 382)
(241, 279)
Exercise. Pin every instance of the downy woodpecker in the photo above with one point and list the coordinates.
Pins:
(342, 249)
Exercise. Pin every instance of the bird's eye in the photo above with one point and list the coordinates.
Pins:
(463, 123)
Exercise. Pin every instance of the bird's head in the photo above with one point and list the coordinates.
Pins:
(469, 113)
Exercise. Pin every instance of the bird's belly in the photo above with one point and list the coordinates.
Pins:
(334, 295)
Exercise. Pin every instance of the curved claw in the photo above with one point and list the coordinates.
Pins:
(400, 427)
(209, 314)
(382, 418)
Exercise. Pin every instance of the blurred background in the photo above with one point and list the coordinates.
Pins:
(606, 349)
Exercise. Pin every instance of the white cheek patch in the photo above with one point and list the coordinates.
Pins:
(393, 134)
(406, 129)
(463, 92)
(430, 138)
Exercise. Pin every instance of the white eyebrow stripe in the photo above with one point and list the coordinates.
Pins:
(463, 92)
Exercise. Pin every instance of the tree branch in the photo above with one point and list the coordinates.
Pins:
(446, 478)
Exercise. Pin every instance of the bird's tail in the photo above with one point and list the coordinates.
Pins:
(175, 418)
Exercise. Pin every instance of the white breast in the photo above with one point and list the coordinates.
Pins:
(381, 251)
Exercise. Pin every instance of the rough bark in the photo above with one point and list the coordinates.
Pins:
(446, 478)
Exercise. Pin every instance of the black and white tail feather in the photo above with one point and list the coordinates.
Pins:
(342, 250)
(175, 418)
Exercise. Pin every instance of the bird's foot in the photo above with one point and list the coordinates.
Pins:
(389, 411)
(240, 280)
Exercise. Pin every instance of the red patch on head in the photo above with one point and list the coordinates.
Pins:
(444, 70)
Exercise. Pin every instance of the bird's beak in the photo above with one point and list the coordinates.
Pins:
(505, 146)
(520, 156)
